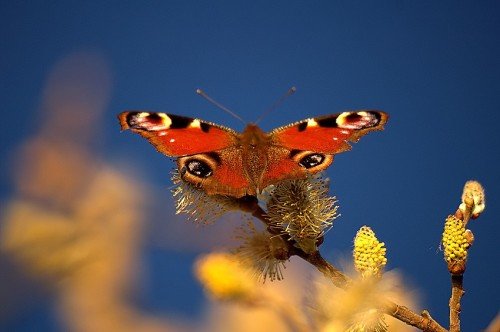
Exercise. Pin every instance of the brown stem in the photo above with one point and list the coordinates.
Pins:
(337, 277)
(424, 321)
(457, 291)
(467, 214)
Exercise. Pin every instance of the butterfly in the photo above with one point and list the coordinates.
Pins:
(221, 161)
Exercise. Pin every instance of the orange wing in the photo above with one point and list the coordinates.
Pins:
(208, 156)
(307, 147)
(329, 134)
(175, 135)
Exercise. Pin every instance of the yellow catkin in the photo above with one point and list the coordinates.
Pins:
(303, 210)
(369, 253)
(454, 241)
(224, 277)
(264, 252)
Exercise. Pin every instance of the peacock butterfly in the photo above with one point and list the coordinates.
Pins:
(222, 161)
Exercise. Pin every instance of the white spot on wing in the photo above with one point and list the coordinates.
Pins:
(166, 121)
(311, 123)
(195, 124)
(172, 140)
(149, 121)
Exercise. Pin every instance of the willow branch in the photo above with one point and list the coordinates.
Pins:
(457, 289)
(457, 292)
(335, 275)
(424, 321)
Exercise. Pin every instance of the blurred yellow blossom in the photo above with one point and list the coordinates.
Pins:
(75, 222)
(225, 277)
(357, 308)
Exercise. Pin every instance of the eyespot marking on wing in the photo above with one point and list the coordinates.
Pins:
(329, 134)
(161, 121)
(358, 120)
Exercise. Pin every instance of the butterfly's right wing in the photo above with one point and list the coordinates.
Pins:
(308, 146)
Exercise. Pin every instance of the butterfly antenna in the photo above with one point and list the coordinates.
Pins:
(277, 103)
(222, 107)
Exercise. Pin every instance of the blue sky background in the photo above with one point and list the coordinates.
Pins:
(433, 66)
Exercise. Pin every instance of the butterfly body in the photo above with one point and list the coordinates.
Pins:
(222, 161)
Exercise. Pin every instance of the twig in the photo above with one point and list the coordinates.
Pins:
(337, 277)
(457, 292)
(457, 289)
(424, 321)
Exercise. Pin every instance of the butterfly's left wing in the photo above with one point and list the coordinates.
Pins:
(208, 155)
(175, 135)
(308, 146)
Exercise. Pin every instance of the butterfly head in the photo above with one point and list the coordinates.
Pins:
(253, 136)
